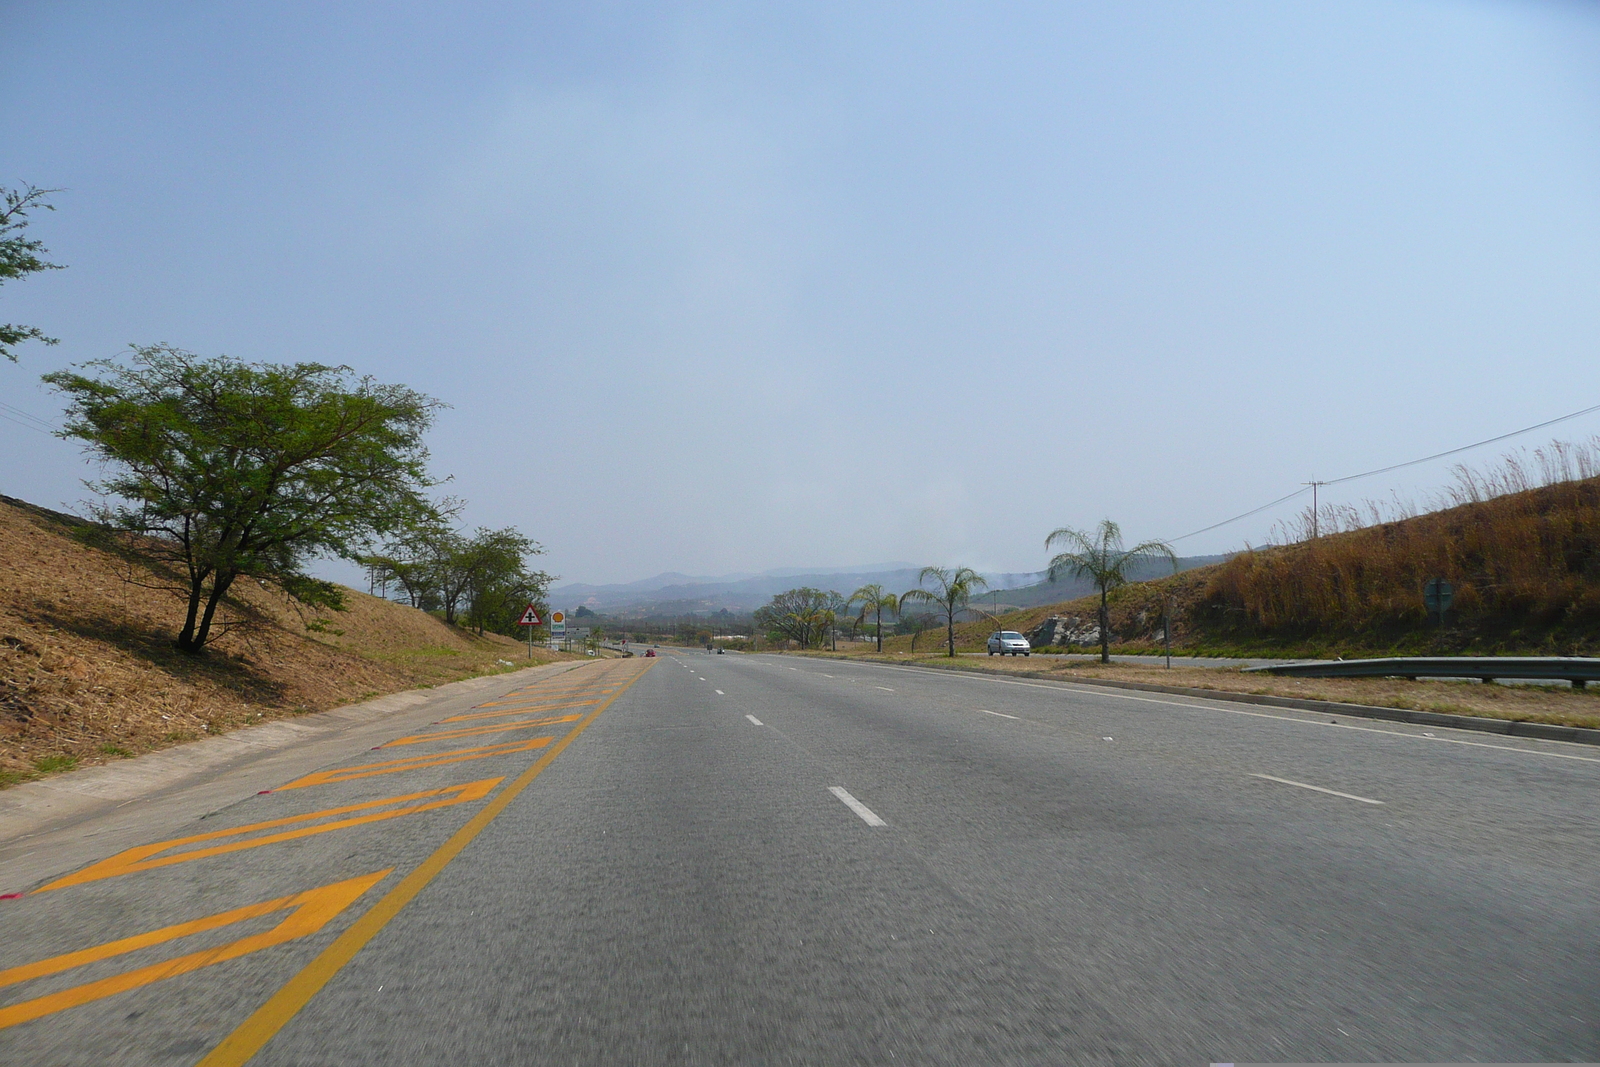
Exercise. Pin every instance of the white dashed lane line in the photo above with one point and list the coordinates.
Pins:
(997, 714)
(755, 720)
(868, 816)
(885, 688)
(1286, 716)
(1318, 788)
(720, 693)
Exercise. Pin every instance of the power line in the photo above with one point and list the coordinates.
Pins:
(1246, 515)
(1463, 448)
(26, 425)
(33, 422)
(1386, 470)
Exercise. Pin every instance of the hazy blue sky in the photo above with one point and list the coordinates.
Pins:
(715, 288)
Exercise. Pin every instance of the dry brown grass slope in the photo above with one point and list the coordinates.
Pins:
(1525, 565)
(88, 671)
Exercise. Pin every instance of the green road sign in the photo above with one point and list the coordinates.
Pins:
(1437, 595)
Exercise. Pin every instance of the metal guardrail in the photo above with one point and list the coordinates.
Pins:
(1579, 670)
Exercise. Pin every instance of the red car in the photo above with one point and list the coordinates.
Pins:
(649, 653)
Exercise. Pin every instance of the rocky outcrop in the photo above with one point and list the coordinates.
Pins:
(1062, 630)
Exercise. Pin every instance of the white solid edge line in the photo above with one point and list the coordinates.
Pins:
(1284, 715)
(1318, 788)
(755, 720)
(997, 714)
(868, 816)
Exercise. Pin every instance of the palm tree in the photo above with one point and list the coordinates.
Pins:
(874, 598)
(953, 587)
(1101, 558)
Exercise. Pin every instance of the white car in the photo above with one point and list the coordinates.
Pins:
(1009, 643)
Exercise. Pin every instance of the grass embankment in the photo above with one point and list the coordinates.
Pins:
(1524, 703)
(88, 672)
(1525, 566)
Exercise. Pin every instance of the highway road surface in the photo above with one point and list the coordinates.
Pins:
(742, 859)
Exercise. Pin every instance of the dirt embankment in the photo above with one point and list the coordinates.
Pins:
(88, 671)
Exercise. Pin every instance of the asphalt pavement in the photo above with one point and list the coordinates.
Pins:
(740, 859)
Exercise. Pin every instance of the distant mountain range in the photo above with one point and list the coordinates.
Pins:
(672, 593)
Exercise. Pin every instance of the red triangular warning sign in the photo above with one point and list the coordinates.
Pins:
(529, 617)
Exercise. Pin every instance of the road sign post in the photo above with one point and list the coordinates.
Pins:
(1437, 595)
(530, 619)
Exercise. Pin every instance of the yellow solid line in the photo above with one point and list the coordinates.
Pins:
(248, 1038)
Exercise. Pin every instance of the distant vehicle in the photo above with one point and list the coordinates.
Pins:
(1009, 643)
(649, 653)
(719, 651)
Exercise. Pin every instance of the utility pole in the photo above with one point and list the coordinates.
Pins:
(1314, 485)
(1166, 628)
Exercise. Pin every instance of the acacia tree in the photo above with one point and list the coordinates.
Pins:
(416, 556)
(802, 615)
(236, 470)
(953, 587)
(484, 577)
(498, 582)
(1101, 558)
(874, 598)
(20, 256)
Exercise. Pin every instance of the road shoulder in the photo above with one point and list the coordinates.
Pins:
(56, 824)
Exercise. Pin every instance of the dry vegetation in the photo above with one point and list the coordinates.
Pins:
(88, 671)
(1525, 566)
(1524, 559)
